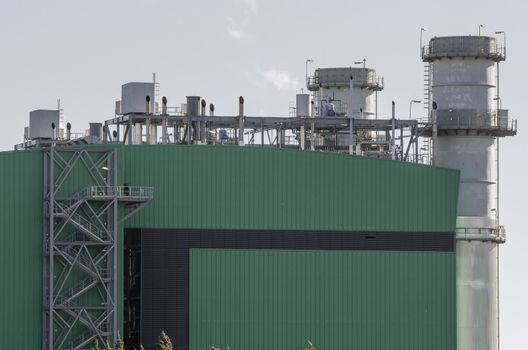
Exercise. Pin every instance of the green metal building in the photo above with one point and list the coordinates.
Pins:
(251, 248)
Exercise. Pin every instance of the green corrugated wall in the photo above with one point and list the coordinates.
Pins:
(220, 187)
(280, 299)
(252, 188)
(20, 249)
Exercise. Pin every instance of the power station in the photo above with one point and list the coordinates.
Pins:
(333, 225)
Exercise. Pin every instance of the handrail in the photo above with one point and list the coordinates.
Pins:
(88, 226)
(84, 260)
(75, 289)
(359, 80)
(461, 49)
(117, 191)
(122, 192)
(471, 119)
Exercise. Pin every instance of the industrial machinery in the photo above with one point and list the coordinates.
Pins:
(206, 221)
(350, 92)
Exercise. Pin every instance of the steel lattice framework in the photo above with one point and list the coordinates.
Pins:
(83, 210)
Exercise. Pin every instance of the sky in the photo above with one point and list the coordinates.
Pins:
(82, 51)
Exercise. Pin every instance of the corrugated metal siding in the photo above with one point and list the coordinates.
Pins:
(251, 188)
(220, 187)
(279, 299)
(20, 249)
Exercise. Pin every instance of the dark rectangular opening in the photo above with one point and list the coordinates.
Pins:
(132, 289)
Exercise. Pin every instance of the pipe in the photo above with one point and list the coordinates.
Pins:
(164, 105)
(351, 136)
(435, 131)
(241, 121)
(376, 106)
(350, 116)
(164, 122)
(350, 95)
(401, 142)
(416, 144)
(393, 145)
(147, 127)
(202, 131)
(312, 127)
(147, 99)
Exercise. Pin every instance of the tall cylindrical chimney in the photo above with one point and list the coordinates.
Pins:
(463, 88)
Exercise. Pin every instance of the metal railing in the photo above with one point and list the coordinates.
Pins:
(84, 224)
(362, 80)
(463, 50)
(86, 338)
(71, 253)
(75, 291)
(474, 119)
(83, 339)
(139, 192)
(497, 234)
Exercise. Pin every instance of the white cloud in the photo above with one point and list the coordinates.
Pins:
(282, 80)
(251, 6)
(235, 29)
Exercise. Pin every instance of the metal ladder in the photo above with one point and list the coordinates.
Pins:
(428, 85)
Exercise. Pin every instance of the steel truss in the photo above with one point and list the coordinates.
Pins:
(83, 210)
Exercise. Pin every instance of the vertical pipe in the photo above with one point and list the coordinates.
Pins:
(401, 142)
(45, 264)
(241, 121)
(51, 243)
(261, 132)
(351, 136)
(112, 165)
(189, 130)
(201, 125)
(435, 131)
(393, 145)
(303, 135)
(416, 144)
(129, 133)
(147, 108)
(211, 114)
(312, 128)
(164, 105)
(164, 122)
(497, 215)
(498, 298)
(68, 131)
(498, 167)
(376, 105)
(350, 112)
(147, 127)
(350, 96)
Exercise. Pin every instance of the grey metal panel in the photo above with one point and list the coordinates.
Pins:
(133, 97)
(40, 123)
